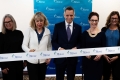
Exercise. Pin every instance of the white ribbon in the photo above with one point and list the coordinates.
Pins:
(59, 54)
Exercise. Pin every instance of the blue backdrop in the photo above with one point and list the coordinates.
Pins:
(53, 9)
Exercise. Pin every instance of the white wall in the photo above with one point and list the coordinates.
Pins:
(22, 10)
(104, 7)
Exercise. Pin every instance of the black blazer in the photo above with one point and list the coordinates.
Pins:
(104, 29)
(59, 39)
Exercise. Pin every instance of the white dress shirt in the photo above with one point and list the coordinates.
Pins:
(71, 26)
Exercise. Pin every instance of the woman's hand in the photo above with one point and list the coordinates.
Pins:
(113, 58)
(32, 50)
(97, 58)
(107, 58)
(5, 71)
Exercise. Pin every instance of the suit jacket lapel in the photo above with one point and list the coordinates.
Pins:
(64, 32)
(73, 32)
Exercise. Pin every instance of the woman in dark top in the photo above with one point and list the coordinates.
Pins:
(93, 38)
(1, 45)
(12, 42)
(112, 32)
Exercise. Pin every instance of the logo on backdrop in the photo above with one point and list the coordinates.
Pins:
(75, 1)
(84, 9)
(58, 1)
(64, 8)
(84, 24)
(76, 16)
(90, 1)
(40, 1)
(50, 9)
(51, 24)
(57, 16)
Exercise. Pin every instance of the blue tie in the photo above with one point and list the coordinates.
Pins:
(68, 32)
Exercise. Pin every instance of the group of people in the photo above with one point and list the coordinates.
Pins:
(66, 35)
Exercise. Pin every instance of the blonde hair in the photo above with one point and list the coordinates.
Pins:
(41, 16)
(12, 19)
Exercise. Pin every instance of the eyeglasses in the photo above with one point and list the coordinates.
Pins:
(114, 18)
(94, 20)
(7, 22)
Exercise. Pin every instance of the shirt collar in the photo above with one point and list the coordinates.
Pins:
(71, 24)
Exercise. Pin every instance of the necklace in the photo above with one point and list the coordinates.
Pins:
(91, 34)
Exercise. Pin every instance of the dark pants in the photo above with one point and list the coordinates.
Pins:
(92, 69)
(113, 68)
(14, 73)
(36, 71)
(69, 68)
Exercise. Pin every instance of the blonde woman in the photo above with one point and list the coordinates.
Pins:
(12, 42)
(37, 38)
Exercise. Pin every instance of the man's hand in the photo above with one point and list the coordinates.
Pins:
(61, 49)
(74, 48)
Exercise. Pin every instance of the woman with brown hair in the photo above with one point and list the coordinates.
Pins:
(112, 32)
(93, 38)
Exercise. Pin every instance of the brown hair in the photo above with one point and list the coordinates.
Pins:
(109, 17)
(93, 14)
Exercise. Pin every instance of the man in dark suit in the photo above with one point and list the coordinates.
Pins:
(66, 35)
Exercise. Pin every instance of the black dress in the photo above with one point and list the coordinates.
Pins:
(12, 41)
(92, 70)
